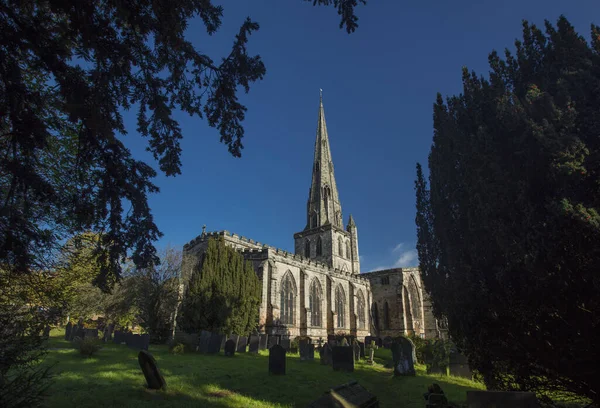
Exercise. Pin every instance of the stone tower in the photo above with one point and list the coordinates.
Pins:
(324, 238)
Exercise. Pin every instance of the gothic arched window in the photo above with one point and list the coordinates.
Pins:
(340, 247)
(314, 220)
(375, 312)
(360, 310)
(314, 300)
(348, 252)
(307, 249)
(386, 316)
(340, 305)
(319, 247)
(288, 296)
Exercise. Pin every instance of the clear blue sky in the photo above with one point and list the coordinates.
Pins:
(379, 85)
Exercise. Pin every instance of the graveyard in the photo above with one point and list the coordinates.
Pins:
(112, 377)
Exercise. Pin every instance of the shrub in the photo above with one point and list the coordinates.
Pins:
(177, 348)
(87, 346)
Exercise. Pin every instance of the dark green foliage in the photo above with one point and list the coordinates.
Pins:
(508, 231)
(87, 346)
(223, 293)
(177, 348)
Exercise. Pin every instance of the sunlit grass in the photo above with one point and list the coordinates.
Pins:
(112, 378)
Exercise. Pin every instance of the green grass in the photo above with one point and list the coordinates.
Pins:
(113, 378)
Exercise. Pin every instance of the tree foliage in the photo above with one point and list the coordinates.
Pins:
(68, 70)
(223, 293)
(508, 229)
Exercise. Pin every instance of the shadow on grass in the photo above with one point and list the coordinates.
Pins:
(113, 378)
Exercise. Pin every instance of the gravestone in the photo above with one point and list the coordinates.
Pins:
(93, 333)
(512, 399)
(144, 341)
(214, 345)
(277, 360)
(136, 342)
(325, 354)
(272, 341)
(305, 350)
(402, 355)
(362, 349)
(254, 344)
(68, 329)
(128, 339)
(230, 348)
(342, 358)
(459, 366)
(117, 337)
(347, 395)
(235, 339)
(223, 340)
(285, 343)
(241, 346)
(105, 336)
(262, 343)
(154, 379)
(356, 349)
(204, 341)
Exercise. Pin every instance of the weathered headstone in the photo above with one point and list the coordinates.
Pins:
(229, 348)
(129, 339)
(214, 345)
(513, 399)
(117, 337)
(253, 346)
(347, 395)
(356, 349)
(241, 346)
(68, 328)
(151, 372)
(262, 343)
(325, 354)
(387, 342)
(342, 358)
(286, 344)
(402, 354)
(235, 339)
(459, 366)
(204, 341)
(362, 349)
(277, 360)
(305, 350)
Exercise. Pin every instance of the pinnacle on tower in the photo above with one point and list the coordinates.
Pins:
(323, 200)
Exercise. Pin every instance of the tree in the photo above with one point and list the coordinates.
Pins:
(156, 291)
(223, 293)
(508, 229)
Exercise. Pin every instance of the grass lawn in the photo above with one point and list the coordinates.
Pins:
(113, 378)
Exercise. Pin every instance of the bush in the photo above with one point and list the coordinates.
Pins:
(87, 346)
(421, 346)
(177, 348)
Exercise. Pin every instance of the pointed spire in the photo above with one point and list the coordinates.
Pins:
(323, 201)
(351, 222)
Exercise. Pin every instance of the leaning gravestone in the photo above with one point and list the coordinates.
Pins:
(241, 345)
(204, 341)
(402, 354)
(513, 399)
(277, 360)
(229, 348)
(214, 345)
(342, 358)
(153, 376)
(68, 329)
(325, 354)
(262, 343)
(347, 395)
(254, 344)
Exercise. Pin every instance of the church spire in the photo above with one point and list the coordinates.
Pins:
(323, 201)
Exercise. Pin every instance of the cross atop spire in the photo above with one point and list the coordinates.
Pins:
(323, 201)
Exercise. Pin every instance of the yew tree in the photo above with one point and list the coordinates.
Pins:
(508, 226)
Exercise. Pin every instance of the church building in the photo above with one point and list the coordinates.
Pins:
(319, 289)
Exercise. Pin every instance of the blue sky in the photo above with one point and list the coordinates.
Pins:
(379, 85)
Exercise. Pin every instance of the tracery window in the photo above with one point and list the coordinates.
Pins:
(340, 305)
(348, 252)
(314, 300)
(360, 310)
(287, 300)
